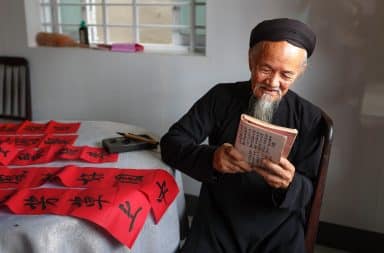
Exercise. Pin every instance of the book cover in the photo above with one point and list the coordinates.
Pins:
(258, 140)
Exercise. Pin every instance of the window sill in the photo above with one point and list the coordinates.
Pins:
(148, 49)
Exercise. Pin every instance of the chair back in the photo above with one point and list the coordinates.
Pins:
(313, 213)
(15, 89)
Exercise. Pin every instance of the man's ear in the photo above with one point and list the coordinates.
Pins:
(303, 68)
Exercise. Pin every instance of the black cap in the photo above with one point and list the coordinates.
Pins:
(293, 31)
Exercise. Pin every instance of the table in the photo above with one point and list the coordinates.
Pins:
(64, 234)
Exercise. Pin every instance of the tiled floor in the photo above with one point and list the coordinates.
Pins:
(323, 249)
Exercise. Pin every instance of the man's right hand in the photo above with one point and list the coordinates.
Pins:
(227, 159)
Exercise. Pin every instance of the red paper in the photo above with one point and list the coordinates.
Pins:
(58, 140)
(7, 139)
(97, 155)
(5, 195)
(68, 152)
(161, 192)
(62, 128)
(7, 153)
(9, 128)
(28, 127)
(22, 141)
(33, 156)
(121, 212)
(27, 177)
(26, 141)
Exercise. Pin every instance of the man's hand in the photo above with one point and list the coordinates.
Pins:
(227, 159)
(277, 175)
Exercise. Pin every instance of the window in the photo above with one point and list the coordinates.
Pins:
(162, 24)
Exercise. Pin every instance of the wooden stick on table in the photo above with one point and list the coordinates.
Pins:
(138, 138)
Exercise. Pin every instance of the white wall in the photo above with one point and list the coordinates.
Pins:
(155, 90)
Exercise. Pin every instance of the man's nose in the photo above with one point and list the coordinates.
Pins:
(273, 80)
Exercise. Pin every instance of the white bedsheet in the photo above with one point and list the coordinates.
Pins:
(64, 234)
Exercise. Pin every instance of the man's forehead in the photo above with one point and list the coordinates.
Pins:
(280, 54)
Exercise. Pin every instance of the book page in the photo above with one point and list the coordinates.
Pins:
(290, 133)
(257, 143)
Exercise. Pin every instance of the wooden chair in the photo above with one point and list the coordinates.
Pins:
(15, 89)
(313, 212)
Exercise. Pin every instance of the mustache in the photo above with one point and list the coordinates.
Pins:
(268, 87)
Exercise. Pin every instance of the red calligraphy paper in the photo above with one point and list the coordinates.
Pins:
(9, 128)
(7, 139)
(7, 153)
(27, 177)
(69, 152)
(33, 156)
(158, 185)
(161, 192)
(97, 155)
(62, 128)
(119, 211)
(58, 140)
(74, 176)
(27, 141)
(5, 195)
(28, 127)
(24, 141)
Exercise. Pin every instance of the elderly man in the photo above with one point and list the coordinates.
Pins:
(243, 208)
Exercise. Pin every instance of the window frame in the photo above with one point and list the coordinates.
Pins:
(56, 26)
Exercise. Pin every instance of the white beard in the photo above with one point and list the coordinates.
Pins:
(263, 108)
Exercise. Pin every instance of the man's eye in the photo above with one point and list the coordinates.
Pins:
(287, 76)
(265, 70)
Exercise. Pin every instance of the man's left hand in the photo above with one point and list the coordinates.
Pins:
(277, 175)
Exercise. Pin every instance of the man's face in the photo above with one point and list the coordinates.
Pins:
(274, 67)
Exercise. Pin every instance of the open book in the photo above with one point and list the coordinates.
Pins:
(258, 140)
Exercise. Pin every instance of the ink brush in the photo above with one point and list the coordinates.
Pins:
(138, 138)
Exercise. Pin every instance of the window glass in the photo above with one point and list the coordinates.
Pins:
(70, 14)
(120, 34)
(96, 34)
(119, 15)
(72, 31)
(156, 15)
(156, 35)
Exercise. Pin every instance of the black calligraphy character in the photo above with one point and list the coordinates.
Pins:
(4, 152)
(129, 179)
(33, 202)
(4, 199)
(127, 210)
(86, 178)
(24, 156)
(163, 191)
(61, 128)
(12, 179)
(97, 154)
(38, 155)
(26, 142)
(8, 129)
(90, 201)
(67, 151)
(34, 128)
(6, 140)
(50, 177)
(77, 201)
(51, 141)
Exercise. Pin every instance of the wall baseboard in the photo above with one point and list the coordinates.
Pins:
(350, 239)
